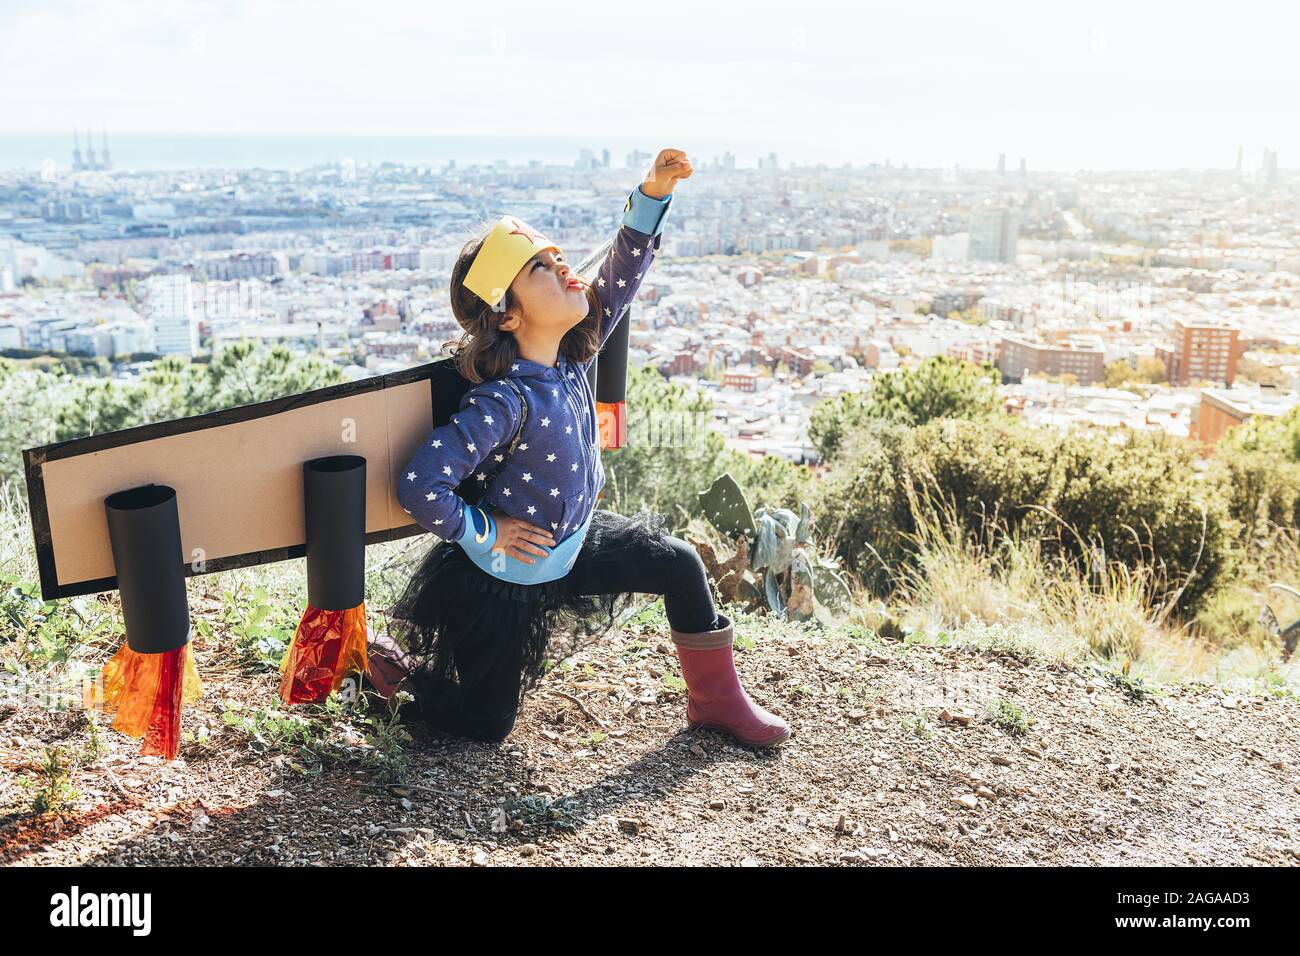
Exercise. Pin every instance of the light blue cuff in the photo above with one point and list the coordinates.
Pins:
(480, 531)
(645, 214)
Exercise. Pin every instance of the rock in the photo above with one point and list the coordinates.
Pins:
(717, 804)
(480, 858)
(967, 800)
(628, 825)
(527, 849)
(1002, 761)
(986, 793)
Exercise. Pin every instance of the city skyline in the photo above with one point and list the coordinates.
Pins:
(1115, 88)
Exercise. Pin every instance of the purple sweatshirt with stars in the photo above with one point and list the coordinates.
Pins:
(555, 475)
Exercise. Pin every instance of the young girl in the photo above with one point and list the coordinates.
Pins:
(537, 569)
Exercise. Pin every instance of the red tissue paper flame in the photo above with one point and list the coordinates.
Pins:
(148, 693)
(327, 646)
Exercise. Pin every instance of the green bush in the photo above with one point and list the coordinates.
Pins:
(1138, 499)
(673, 453)
(939, 387)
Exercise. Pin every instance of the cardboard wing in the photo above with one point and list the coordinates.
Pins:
(238, 472)
(238, 475)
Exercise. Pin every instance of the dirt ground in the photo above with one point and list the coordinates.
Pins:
(896, 759)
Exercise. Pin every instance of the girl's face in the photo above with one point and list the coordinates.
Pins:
(550, 296)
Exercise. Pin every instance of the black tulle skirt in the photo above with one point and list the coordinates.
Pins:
(478, 638)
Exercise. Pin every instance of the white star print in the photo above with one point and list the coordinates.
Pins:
(499, 457)
(473, 401)
(555, 392)
(470, 447)
(496, 394)
(515, 367)
(554, 525)
(528, 476)
(455, 421)
(482, 476)
(446, 469)
(621, 283)
(532, 510)
(546, 423)
(607, 312)
(600, 281)
(506, 492)
(523, 446)
(638, 275)
(528, 388)
(487, 419)
(555, 492)
(636, 252)
(438, 521)
(550, 457)
(568, 429)
(430, 496)
(573, 467)
(437, 443)
(411, 477)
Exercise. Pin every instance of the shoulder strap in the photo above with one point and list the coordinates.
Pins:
(519, 430)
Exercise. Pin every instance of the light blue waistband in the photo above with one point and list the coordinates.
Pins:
(557, 563)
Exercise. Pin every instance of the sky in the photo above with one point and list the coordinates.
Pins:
(1097, 85)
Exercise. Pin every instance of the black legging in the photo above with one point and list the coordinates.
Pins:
(486, 707)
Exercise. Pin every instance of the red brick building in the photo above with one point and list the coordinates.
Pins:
(1201, 352)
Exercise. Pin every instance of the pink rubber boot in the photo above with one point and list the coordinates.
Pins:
(714, 695)
(389, 665)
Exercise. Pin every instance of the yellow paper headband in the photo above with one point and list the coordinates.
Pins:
(504, 252)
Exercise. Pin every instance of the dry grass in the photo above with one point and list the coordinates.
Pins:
(1098, 609)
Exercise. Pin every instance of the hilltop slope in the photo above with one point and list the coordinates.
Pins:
(875, 773)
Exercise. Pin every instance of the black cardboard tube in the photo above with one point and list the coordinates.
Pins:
(144, 531)
(593, 374)
(334, 489)
(611, 378)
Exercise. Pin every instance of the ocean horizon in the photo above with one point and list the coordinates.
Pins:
(172, 151)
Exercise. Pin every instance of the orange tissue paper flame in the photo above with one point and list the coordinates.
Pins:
(327, 646)
(148, 693)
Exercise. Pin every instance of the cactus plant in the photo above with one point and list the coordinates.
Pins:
(775, 548)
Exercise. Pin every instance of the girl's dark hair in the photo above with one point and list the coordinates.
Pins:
(484, 352)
